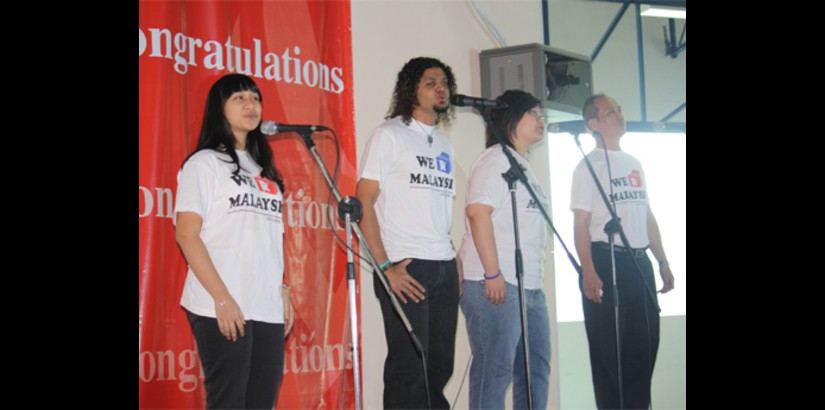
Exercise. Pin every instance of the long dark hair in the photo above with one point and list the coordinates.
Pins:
(405, 95)
(505, 121)
(216, 133)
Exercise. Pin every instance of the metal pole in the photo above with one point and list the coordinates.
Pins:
(545, 14)
(609, 31)
(641, 54)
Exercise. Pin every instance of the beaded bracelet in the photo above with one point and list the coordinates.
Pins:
(492, 277)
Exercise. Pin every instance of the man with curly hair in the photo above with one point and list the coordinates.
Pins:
(406, 185)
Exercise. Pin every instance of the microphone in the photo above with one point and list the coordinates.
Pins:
(272, 127)
(465, 101)
(573, 127)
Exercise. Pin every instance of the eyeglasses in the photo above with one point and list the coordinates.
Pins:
(538, 114)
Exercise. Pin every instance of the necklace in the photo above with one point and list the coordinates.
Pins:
(429, 136)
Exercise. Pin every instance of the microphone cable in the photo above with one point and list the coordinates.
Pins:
(342, 243)
(426, 379)
(463, 379)
(649, 346)
(332, 208)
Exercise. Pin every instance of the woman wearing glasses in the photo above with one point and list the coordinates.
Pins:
(490, 300)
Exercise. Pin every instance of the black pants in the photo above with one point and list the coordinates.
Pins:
(245, 374)
(434, 322)
(638, 327)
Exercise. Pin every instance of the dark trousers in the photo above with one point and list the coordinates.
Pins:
(638, 330)
(433, 320)
(245, 374)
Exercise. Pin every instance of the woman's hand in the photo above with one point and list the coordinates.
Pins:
(495, 290)
(289, 312)
(230, 318)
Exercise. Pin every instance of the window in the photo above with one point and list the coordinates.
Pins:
(663, 158)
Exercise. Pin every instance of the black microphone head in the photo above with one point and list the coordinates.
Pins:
(272, 127)
(571, 127)
(460, 100)
(269, 127)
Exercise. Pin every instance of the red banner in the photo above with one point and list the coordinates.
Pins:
(300, 55)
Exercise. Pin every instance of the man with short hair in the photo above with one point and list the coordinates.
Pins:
(622, 177)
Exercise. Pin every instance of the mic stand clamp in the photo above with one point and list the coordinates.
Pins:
(613, 226)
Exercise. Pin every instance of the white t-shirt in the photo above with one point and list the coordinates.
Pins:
(629, 190)
(485, 185)
(243, 231)
(415, 205)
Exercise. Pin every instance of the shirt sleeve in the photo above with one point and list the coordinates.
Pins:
(581, 191)
(379, 154)
(485, 184)
(196, 183)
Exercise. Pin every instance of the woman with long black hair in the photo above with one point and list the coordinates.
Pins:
(229, 225)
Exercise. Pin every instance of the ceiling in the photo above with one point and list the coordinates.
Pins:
(670, 3)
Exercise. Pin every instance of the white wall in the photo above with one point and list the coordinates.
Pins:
(387, 33)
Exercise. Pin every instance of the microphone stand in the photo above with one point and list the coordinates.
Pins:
(516, 173)
(511, 177)
(350, 209)
(612, 228)
(306, 135)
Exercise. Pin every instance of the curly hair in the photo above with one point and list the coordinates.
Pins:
(405, 95)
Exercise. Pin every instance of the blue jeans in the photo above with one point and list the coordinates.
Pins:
(498, 355)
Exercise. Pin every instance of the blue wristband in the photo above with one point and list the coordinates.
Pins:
(384, 265)
(494, 276)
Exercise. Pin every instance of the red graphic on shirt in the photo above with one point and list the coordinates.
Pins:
(266, 186)
(635, 179)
